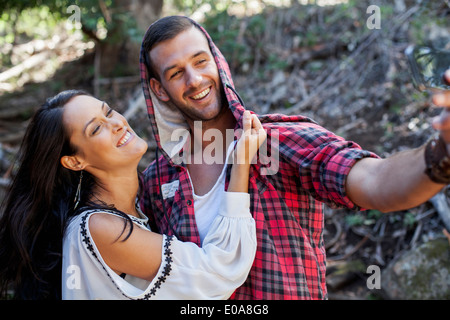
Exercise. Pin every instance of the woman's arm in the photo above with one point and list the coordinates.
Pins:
(144, 246)
(176, 269)
(139, 255)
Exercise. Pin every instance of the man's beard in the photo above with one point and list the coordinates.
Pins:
(192, 114)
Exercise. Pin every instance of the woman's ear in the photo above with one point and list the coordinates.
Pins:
(158, 90)
(72, 163)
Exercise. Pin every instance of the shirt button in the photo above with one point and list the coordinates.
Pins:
(189, 202)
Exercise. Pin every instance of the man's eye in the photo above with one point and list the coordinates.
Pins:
(175, 74)
(109, 112)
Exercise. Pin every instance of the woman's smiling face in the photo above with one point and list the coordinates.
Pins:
(102, 137)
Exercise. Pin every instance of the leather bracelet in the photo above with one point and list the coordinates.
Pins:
(437, 161)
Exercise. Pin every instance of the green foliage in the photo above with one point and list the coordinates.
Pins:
(224, 30)
(363, 218)
(188, 7)
(103, 21)
(409, 220)
(431, 12)
(354, 220)
(29, 23)
(239, 47)
(37, 19)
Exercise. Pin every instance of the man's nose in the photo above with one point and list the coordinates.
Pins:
(193, 78)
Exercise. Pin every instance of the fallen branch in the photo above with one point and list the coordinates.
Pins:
(354, 249)
(29, 63)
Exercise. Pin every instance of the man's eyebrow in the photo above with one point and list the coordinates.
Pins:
(199, 53)
(169, 68)
(176, 65)
(93, 119)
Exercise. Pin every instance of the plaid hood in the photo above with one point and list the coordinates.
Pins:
(165, 118)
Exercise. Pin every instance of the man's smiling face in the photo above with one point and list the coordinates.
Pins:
(189, 75)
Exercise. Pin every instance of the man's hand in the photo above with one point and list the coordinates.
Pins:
(398, 182)
(442, 122)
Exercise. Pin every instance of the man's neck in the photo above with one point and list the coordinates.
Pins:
(219, 125)
(208, 152)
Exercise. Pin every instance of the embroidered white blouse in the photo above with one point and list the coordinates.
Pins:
(213, 271)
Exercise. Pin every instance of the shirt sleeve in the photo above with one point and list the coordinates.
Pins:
(187, 271)
(323, 161)
(217, 269)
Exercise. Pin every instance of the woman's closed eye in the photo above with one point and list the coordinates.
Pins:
(98, 126)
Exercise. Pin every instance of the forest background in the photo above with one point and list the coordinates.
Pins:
(340, 62)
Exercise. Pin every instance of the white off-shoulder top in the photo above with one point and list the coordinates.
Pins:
(187, 271)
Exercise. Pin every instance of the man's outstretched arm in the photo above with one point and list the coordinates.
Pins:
(399, 182)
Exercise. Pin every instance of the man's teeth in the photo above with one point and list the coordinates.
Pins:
(124, 139)
(201, 94)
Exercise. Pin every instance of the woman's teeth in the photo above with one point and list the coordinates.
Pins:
(124, 139)
(201, 94)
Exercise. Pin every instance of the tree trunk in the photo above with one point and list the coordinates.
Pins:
(119, 53)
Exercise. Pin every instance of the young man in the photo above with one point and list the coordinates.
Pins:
(190, 95)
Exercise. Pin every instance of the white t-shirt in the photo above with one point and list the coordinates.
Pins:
(207, 206)
(186, 271)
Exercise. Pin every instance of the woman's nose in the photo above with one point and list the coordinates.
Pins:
(116, 124)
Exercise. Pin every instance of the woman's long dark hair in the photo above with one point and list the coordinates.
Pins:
(39, 205)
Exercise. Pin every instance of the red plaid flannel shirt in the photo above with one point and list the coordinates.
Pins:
(287, 206)
(290, 260)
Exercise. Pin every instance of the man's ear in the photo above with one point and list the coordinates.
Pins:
(158, 90)
(72, 163)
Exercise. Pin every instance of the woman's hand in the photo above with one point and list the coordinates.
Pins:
(252, 138)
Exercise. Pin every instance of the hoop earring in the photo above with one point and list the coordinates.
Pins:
(78, 194)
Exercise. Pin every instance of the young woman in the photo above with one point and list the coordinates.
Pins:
(72, 229)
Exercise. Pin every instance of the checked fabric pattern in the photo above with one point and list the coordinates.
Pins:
(290, 260)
